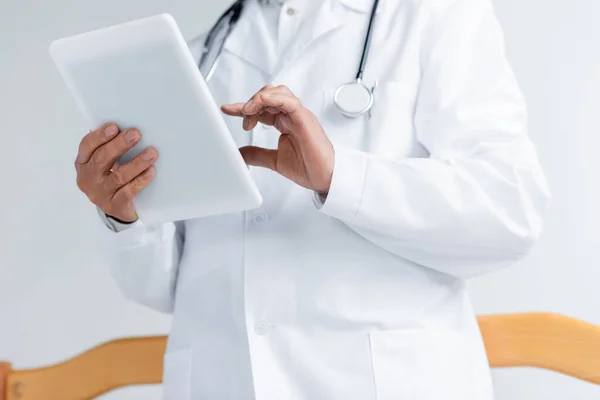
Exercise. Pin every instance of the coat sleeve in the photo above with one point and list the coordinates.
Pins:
(477, 203)
(145, 262)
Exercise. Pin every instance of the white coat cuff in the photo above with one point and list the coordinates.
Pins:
(133, 235)
(113, 224)
(347, 184)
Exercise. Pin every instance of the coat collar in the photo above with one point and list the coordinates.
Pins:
(364, 6)
(358, 5)
(330, 16)
(250, 40)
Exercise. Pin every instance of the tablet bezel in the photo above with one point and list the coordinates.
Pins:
(162, 29)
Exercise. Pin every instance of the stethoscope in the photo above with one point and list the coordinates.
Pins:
(353, 99)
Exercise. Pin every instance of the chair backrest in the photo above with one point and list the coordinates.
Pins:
(541, 340)
(112, 365)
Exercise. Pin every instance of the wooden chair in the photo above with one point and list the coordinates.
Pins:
(541, 340)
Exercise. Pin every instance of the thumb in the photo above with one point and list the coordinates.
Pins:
(259, 157)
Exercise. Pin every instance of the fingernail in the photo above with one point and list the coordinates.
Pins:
(131, 135)
(148, 155)
(111, 131)
(248, 104)
(245, 123)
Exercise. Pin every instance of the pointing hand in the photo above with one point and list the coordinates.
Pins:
(304, 153)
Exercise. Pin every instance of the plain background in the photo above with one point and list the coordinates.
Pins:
(56, 296)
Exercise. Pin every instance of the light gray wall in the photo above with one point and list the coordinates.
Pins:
(554, 46)
(56, 297)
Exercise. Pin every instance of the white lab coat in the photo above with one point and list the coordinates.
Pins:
(362, 298)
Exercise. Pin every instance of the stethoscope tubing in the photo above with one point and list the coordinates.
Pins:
(367, 45)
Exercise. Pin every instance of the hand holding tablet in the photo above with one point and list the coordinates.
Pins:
(110, 186)
(173, 151)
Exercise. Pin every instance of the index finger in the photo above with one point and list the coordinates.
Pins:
(233, 110)
(95, 139)
(286, 103)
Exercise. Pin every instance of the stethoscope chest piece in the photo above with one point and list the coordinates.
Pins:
(353, 99)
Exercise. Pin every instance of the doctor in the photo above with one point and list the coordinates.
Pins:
(349, 282)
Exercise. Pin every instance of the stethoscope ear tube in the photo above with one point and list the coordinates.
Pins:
(233, 14)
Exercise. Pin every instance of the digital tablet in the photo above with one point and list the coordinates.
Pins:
(141, 74)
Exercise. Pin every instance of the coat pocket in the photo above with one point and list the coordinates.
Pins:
(177, 375)
(387, 129)
(427, 364)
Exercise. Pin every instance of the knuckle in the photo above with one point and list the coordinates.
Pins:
(81, 150)
(88, 138)
(138, 183)
(99, 158)
(118, 177)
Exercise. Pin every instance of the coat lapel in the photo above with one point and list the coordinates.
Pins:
(250, 39)
(327, 18)
(363, 6)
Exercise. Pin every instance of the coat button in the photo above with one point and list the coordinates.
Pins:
(290, 11)
(260, 218)
(262, 328)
